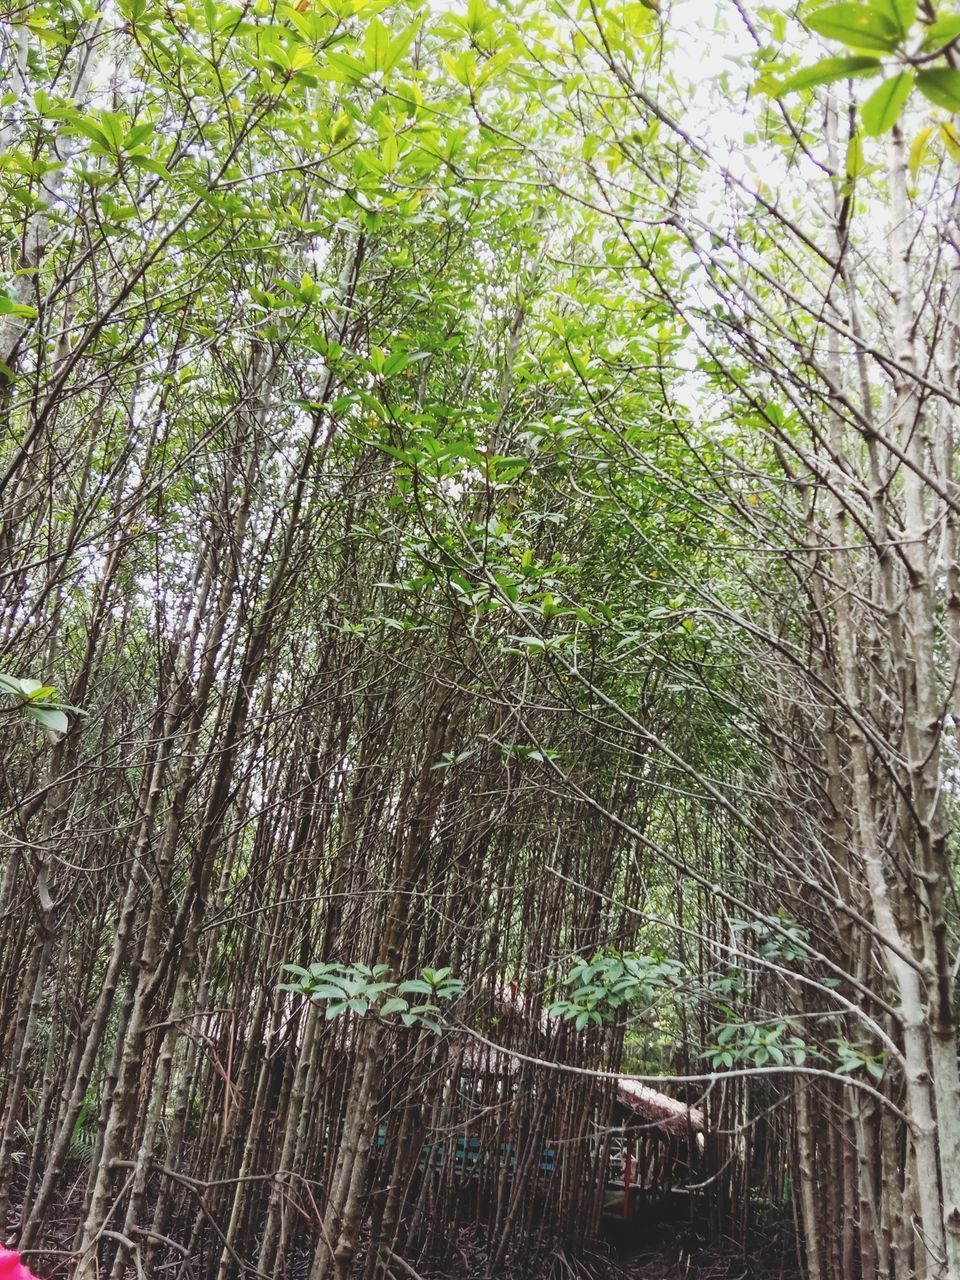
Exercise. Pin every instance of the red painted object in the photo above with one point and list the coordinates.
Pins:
(11, 1268)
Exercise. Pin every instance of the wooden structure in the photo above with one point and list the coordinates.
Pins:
(582, 1146)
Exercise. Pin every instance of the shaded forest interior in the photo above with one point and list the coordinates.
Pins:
(479, 640)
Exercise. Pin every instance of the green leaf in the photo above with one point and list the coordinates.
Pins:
(902, 13)
(90, 130)
(151, 165)
(394, 1005)
(399, 45)
(493, 66)
(941, 85)
(137, 135)
(828, 70)
(113, 124)
(855, 25)
(347, 70)
(48, 718)
(376, 44)
(942, 32)
(881, 109)
(41, 692)
(9, 307)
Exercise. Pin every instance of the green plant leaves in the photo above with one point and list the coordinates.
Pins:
(48, 718)
(611, 981)
(829, 70)
(902, 13)
(362, 989)
(941, 85)
(38, 702)
(942, 32)
(757, 1044)
(881, 109)
(10, 307)
(856, 25)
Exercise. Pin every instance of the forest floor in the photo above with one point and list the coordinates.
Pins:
(682, 1263)
(668, 1252)
(676, 1250)
(654, 1251)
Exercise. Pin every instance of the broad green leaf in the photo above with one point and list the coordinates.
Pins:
(302, 59)
(48, 717)
(345, 69)
(312, 26)
(831, 69)
(460, 66)
(942, 32)
(394, 1005)
(490, 69)
(90, 130)
(881, 109)
(137, 135)
(478, 16)
(941, 85)
(396, 363)
(150, 165)
(326, 991)
(113, 124)
(8, 307)
(399, 45)
(855, 25)
(902, 13)
(376, 44)
(41, 692)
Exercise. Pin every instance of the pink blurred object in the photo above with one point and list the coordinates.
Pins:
(11, 1268)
